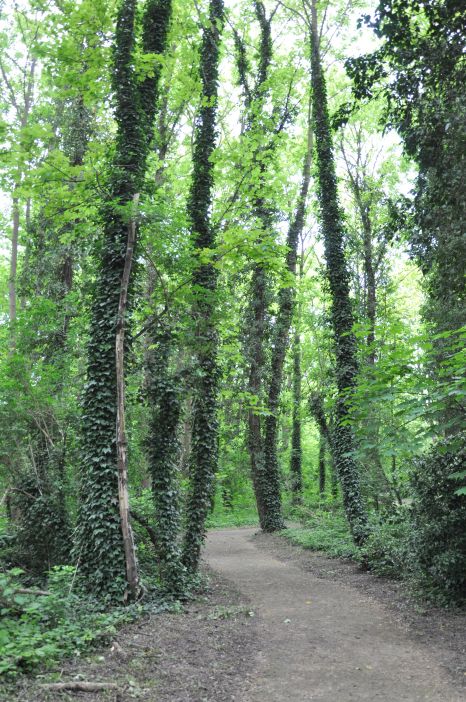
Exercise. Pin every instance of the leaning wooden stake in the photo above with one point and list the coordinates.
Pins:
(122, 447)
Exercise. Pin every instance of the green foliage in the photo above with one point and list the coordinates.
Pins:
(39, 630)
(438, 539)
(324, 531)
(41, 534)
(236, 516)
(387, 551)
(218, 173)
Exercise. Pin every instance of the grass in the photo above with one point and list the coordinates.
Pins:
(324, 531)
(242, 515)
(321, 530)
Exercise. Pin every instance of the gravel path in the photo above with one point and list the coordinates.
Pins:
(319, 639)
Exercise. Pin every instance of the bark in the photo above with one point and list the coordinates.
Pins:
(204, 454)
(296, 448)
(342, 316)
(121, 440)
(322, 471)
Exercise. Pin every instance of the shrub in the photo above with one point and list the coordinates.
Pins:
(386, 551)
(40, 533)
(40, 629)
(438, 536)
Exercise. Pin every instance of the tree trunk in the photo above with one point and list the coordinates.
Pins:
(204, 454)
(322, 443)
(132, 577)
(296, 448)
(256, 373)
(164, 396)
(342, 317)
(99, 539)
(377, 476)
(286, 304)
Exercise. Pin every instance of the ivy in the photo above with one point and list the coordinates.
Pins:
(164, 398)
(99, 545)
(342, 316)
(204, 452)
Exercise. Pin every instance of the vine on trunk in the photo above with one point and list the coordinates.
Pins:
(164, 397)
(342, 316)
(99, 537)
(204, 450)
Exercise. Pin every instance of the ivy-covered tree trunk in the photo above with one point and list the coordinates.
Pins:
(204, 450)
(296, 469)
(257, 319)
(286, 304)
(322, 471)
(163, 393)
(99, 544)
(164, 396)
(266, 488)
(342, 316)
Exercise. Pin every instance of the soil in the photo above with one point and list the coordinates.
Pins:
(277, 624)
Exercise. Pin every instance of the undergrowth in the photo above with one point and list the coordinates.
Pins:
(325, 531)
(242, 515)
(40, 629)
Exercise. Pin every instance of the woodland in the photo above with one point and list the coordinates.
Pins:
(232, 261)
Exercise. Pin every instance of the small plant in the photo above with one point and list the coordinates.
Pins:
(41, 627)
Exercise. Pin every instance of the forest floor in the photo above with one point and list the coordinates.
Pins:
(277, 624)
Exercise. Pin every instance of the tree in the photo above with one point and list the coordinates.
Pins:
(18, 76)
(102, 549)
(342, 316)
(286, 307)
(419, 71)
(204, 451)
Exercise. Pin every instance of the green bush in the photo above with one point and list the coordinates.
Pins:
(41, 629)
(438, 536)
(386, 551)
(39, 536)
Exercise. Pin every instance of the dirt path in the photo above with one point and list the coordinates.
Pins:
(320, 639)
(322, 630)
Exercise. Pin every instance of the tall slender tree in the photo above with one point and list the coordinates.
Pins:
(267, 496)
(204, 450)
(286, 306)
(103, 555)
(337, 273)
